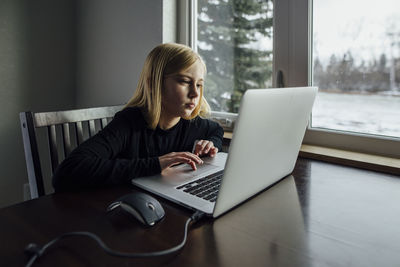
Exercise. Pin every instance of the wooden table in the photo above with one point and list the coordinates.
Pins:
(322, 215)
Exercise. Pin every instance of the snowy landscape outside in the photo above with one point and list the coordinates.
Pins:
(356, 56)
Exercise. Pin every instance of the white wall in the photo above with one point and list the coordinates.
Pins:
(64, 54)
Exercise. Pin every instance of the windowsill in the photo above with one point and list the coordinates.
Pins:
(349, 158)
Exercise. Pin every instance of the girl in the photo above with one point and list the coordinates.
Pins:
(159, 127)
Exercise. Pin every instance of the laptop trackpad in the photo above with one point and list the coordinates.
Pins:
(184, 173)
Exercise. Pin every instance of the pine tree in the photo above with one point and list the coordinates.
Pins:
(227, 30)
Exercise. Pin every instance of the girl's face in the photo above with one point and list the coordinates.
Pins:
(181, 92)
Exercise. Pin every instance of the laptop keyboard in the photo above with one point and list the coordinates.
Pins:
(205, 188)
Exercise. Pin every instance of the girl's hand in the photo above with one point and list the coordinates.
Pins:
(205, 148)
(174, 158)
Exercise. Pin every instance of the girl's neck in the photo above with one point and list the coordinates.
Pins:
(168, 123)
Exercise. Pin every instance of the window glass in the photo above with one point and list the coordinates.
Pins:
(356, 65)
(235, 40)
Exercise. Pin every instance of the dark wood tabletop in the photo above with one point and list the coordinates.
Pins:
(322, 215)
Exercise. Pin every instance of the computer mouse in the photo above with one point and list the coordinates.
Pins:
(145, 208)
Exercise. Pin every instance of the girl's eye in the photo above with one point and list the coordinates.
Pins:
(184, 81)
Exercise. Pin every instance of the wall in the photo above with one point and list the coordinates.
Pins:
(66, 54)
(114, 38)
(37, 72)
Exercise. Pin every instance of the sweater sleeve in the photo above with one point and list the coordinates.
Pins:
(97, 161)
(214, 133)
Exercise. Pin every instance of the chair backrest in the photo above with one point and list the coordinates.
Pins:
(65, 130)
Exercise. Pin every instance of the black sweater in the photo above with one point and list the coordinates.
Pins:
(126, 148)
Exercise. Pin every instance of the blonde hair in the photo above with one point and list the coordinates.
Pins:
(164, 59)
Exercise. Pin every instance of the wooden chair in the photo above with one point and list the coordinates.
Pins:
(65, 130)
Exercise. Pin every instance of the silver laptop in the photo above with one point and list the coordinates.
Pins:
(266, 141)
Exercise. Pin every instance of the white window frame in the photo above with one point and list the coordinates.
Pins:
(187, 23)
(292, 50)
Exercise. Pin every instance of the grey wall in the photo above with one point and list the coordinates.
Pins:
(114, 38)
(37, 72)
(65, 54)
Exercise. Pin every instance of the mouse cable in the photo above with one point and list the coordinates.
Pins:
(36, 251)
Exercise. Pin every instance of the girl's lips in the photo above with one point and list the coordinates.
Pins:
(190, 105)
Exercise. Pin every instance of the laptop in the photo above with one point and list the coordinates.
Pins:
(264, 148)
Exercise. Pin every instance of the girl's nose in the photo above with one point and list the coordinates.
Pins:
(194, 91)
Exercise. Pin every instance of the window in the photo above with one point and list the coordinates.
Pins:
(235, 40)
(356, 65)
(298, 44)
